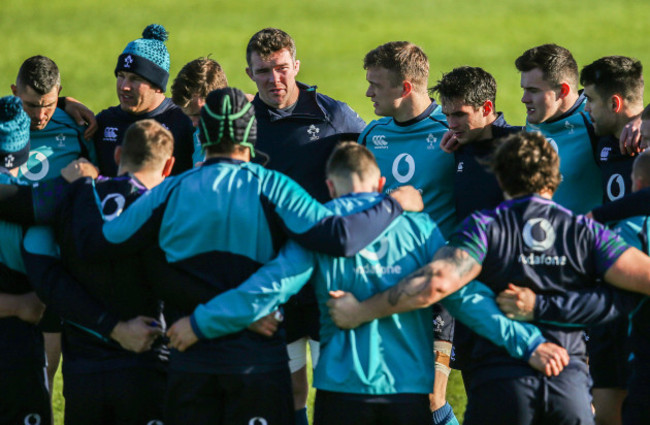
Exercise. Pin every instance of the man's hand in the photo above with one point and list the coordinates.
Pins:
(81, 115)
(345, 310)
(630, 140)
(267, 325)
(549, 359)
(138, 334)
(79, 168)
(517, 303)
(29, 308)
(449, 142)
(181, 336)
(409, 198)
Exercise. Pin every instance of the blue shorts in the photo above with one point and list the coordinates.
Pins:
(128, 396)
(532, 399)
(25, 398)
(223, 399)
(609, 351)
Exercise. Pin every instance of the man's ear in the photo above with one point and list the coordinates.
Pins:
(169, 164)
(14, 89)
(331, 189)
(296, 65)
(565, 89)
(117, 155)
(488, 108)
(249, 72)
(381, 184)
(407, 88)
(617, 103)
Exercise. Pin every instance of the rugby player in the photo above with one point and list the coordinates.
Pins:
(142, 72)
(406, 144)
(23, 378)
(297, 128)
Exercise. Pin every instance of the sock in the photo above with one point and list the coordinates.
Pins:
(301, 416)
(444, 416)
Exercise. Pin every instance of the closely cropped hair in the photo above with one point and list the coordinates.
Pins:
(556, 63)
(641, 168)
(615, 75)
(526, 163)
(349, 158)
(268, 41)
(197, 78)
(406, 60)
(645, 115)
(147, 142)
(39, 73)
(471, 85)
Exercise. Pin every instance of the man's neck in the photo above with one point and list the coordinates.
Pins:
(412, 107)
(239, 155)
(567, 103)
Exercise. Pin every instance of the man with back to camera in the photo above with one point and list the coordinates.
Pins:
(298, 128)
(405, 144)
(142, 72)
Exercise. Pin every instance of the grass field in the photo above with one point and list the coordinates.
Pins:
(85, 38)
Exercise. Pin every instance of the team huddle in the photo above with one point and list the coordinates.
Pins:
(184, 255)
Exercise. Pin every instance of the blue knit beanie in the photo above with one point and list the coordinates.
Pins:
(14, 133)
(147, 56)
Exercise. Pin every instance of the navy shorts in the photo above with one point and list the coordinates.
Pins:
(609, 351)
(532, 399)
(124, 396)
(223, 399)
(332, 408)
(24, 396)
(636, 407)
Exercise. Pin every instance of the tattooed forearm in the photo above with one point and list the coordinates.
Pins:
(412, 285)
(461, 262)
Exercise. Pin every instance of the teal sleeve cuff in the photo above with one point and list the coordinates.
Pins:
(532, 346)
(195, 328)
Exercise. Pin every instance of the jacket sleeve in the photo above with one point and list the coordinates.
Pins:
(258, 296)
(475, 307)
(58, 289)
(636, 203)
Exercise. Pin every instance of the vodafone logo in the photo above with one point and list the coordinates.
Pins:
(115, 203)
(615, 182)
(410, 163)
(547, 233)
(31, 173)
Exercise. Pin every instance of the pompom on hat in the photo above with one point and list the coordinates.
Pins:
(147, 56)
(14, 133)
(228, 117)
